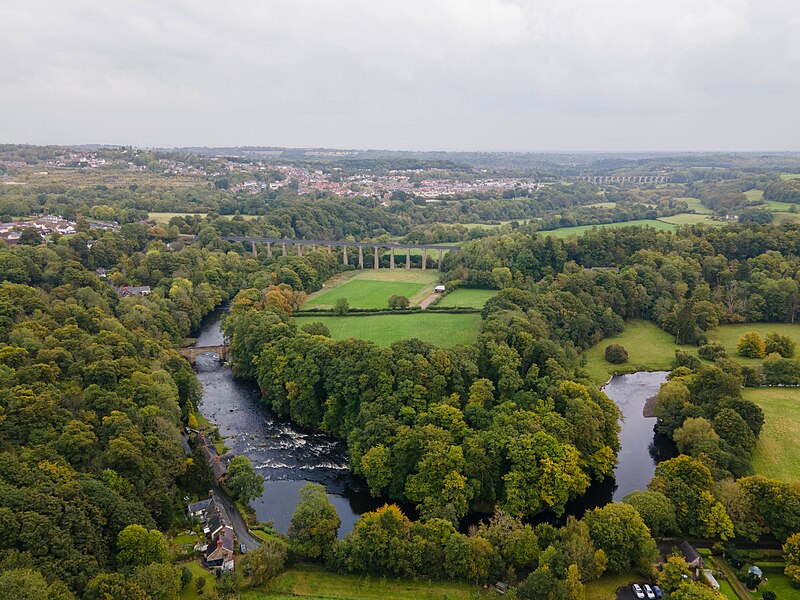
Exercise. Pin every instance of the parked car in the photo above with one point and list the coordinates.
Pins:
(651, 595)
(657, 591)
(242, 548)
(637, 589)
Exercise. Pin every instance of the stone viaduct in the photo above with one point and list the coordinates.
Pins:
(274, 245)
(625, 178)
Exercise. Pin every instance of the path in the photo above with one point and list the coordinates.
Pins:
(427, 302)
(239, 527)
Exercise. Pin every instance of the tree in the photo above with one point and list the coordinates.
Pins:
(616, 354)
(314, 524)
(696, 591)
(780, 344)
(574, 588)
(113, 585)
(673, 574)
(27, 584)
(138, 546)
(317, 328)
(342, 307)
(186, 576)
(30, 237)
(267, 561)
(656, 510)
(159, 581)
(751, 345)
(243, 481)
(694, 432)
(396, 302)
(620, 532)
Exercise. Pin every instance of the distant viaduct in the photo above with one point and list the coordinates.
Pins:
(377, 248)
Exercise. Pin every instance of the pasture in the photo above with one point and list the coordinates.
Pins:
(371, 288)
(467, 297)
(649, 347)
(691, 219)
(777, 454)
(163, 218)
(754, 195)
(729, 336)
(385, 329)
(565, 232)
(696, 205)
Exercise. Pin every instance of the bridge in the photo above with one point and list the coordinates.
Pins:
(191, 353)
(625, 178)
(377, 249)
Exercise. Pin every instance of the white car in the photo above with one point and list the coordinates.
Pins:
(637, 590)
(651, 595)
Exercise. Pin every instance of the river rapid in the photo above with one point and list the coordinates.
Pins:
(288, 457)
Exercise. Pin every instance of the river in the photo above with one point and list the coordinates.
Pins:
(288, 458)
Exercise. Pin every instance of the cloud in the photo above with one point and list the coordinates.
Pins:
(418, 74)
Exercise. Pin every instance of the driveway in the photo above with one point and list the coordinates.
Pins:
(239, 528)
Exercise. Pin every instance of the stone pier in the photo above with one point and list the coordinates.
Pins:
(408, 258)
(377, 259)
(360, 257)
(344, 254)
(424, 259)
(391, 258)
(269, 249)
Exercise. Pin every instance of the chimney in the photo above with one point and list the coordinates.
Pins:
(219, 542)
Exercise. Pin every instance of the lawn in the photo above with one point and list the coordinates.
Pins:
(467, 297)
(727, 590)
(729, 336)
(787, 176)
(606, 587)
(190, 591)
(754, 195)
(371, 288)
(780, 584)
(776, 206)
(439, 329)
(564, 232)
(163, 218)
(311, 582)
(649, 347)
(777, 454)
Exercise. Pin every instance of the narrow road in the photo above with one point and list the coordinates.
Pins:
(425, 303)
(239, 527)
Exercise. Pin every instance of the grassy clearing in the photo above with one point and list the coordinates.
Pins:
(466, 297)
(649, 347)
(787, 176)
(777, 454)
(696, 205)
(564, 232)
(754, 195)
(691, 219)
(371, 288)
(310, 582)
(729, 336)
(776, 206)
(602, 205)
(785, 217)
(190, 591)
(439, 329)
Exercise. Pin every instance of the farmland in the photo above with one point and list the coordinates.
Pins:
(466, 297)
(440, 329)
(777, 454)
(565, 232)
(729, 336)
(371, 288)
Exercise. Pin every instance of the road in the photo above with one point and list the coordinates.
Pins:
(239, 528)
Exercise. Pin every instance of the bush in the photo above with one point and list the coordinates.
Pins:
(396, 301)
(685, 359)
(781, 371)
(751, 345)
(781, 344)
(616, 354)
(712, 351)
(342, 306)
(752, 376)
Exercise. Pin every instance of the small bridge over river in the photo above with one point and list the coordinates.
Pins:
(281, 245)
(191, 353)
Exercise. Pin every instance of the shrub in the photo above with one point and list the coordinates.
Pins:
(396, 301)
(751, 345)
(712, 351)
(781, 371)
(316, 328)
(342, 306)
(782, 344)
(685, 359)
(616, 354)
(752, 376)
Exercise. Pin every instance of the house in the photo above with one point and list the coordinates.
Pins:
(197, 510)
(219, 467)
(218, 551)
(100, 271)
(131, 290)
(692, 557)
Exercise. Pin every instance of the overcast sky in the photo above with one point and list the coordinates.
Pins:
(404, 74)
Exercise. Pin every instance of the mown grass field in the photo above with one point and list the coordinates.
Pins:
(729, 336)
(466, 297)
(777, 454)
(691, 219)
(696, 205)
(786, 176)
(439, 329)
(606, 587)
(649, 347)
(754, 195)
(163, 218)
(312, 582)
(564, 232)
(371, 288)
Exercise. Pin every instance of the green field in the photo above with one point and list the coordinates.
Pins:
(777, 454)
(467, 297)
(564, 232)
(312, 582)
(780, 584)
(649, 347)
(163, 218)
(787, 176)
(776, 206)
(696, 205)
(371, 288)
(754, 195)
(729, 336)
(436, 328)
(602, 205)
(691, 219)
(606, 587)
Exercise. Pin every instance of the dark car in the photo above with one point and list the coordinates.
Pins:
(657, 591)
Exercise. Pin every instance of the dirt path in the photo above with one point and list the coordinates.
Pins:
(425, 303)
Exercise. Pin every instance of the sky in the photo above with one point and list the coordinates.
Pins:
(494, 75)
